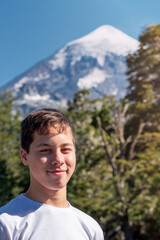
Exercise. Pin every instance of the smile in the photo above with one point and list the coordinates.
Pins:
(57, 172)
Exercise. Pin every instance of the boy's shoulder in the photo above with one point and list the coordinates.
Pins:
(18, 206)
(82, 214)
(89, 223)
(10, 206)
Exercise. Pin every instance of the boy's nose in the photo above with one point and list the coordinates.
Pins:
(57, 159)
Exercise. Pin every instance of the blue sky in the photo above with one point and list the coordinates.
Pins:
(32, 30)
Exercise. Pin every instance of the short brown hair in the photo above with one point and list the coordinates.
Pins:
(41, 121)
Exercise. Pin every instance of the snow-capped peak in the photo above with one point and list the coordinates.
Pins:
(96, 44)
(95, 61)
(108, 38)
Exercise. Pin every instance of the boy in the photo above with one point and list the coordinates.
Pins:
(43, 212)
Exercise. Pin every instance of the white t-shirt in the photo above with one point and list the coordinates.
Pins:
(24, 219)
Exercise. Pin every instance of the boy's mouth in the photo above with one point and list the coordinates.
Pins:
(57, 171)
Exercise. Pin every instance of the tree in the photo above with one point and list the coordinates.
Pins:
(143, 76)
(144, 96)
(9, 148)
(113, 182)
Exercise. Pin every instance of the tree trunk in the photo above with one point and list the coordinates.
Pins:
(127, 229)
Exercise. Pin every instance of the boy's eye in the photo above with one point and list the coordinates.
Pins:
(66, 150)
(45, 150)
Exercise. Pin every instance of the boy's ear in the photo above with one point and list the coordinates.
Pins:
(23, 155)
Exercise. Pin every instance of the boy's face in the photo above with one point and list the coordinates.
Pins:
(51, 160)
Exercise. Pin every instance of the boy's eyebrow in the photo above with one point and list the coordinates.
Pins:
(49, 145)
(67, 144)
(43, 144)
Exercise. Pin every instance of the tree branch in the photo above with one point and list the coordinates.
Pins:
(140, 129)
(109, 157)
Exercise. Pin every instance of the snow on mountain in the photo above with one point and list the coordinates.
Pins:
(95, 61)
(107, 38)
(104, 39)
(92, 79)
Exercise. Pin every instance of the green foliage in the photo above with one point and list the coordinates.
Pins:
(113, 182)
(9, 150)
(143, 76)
(144, 95)
(14, 177)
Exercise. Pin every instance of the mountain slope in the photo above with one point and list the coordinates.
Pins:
(95, 61)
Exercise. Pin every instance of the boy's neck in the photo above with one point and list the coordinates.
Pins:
(56, 198)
